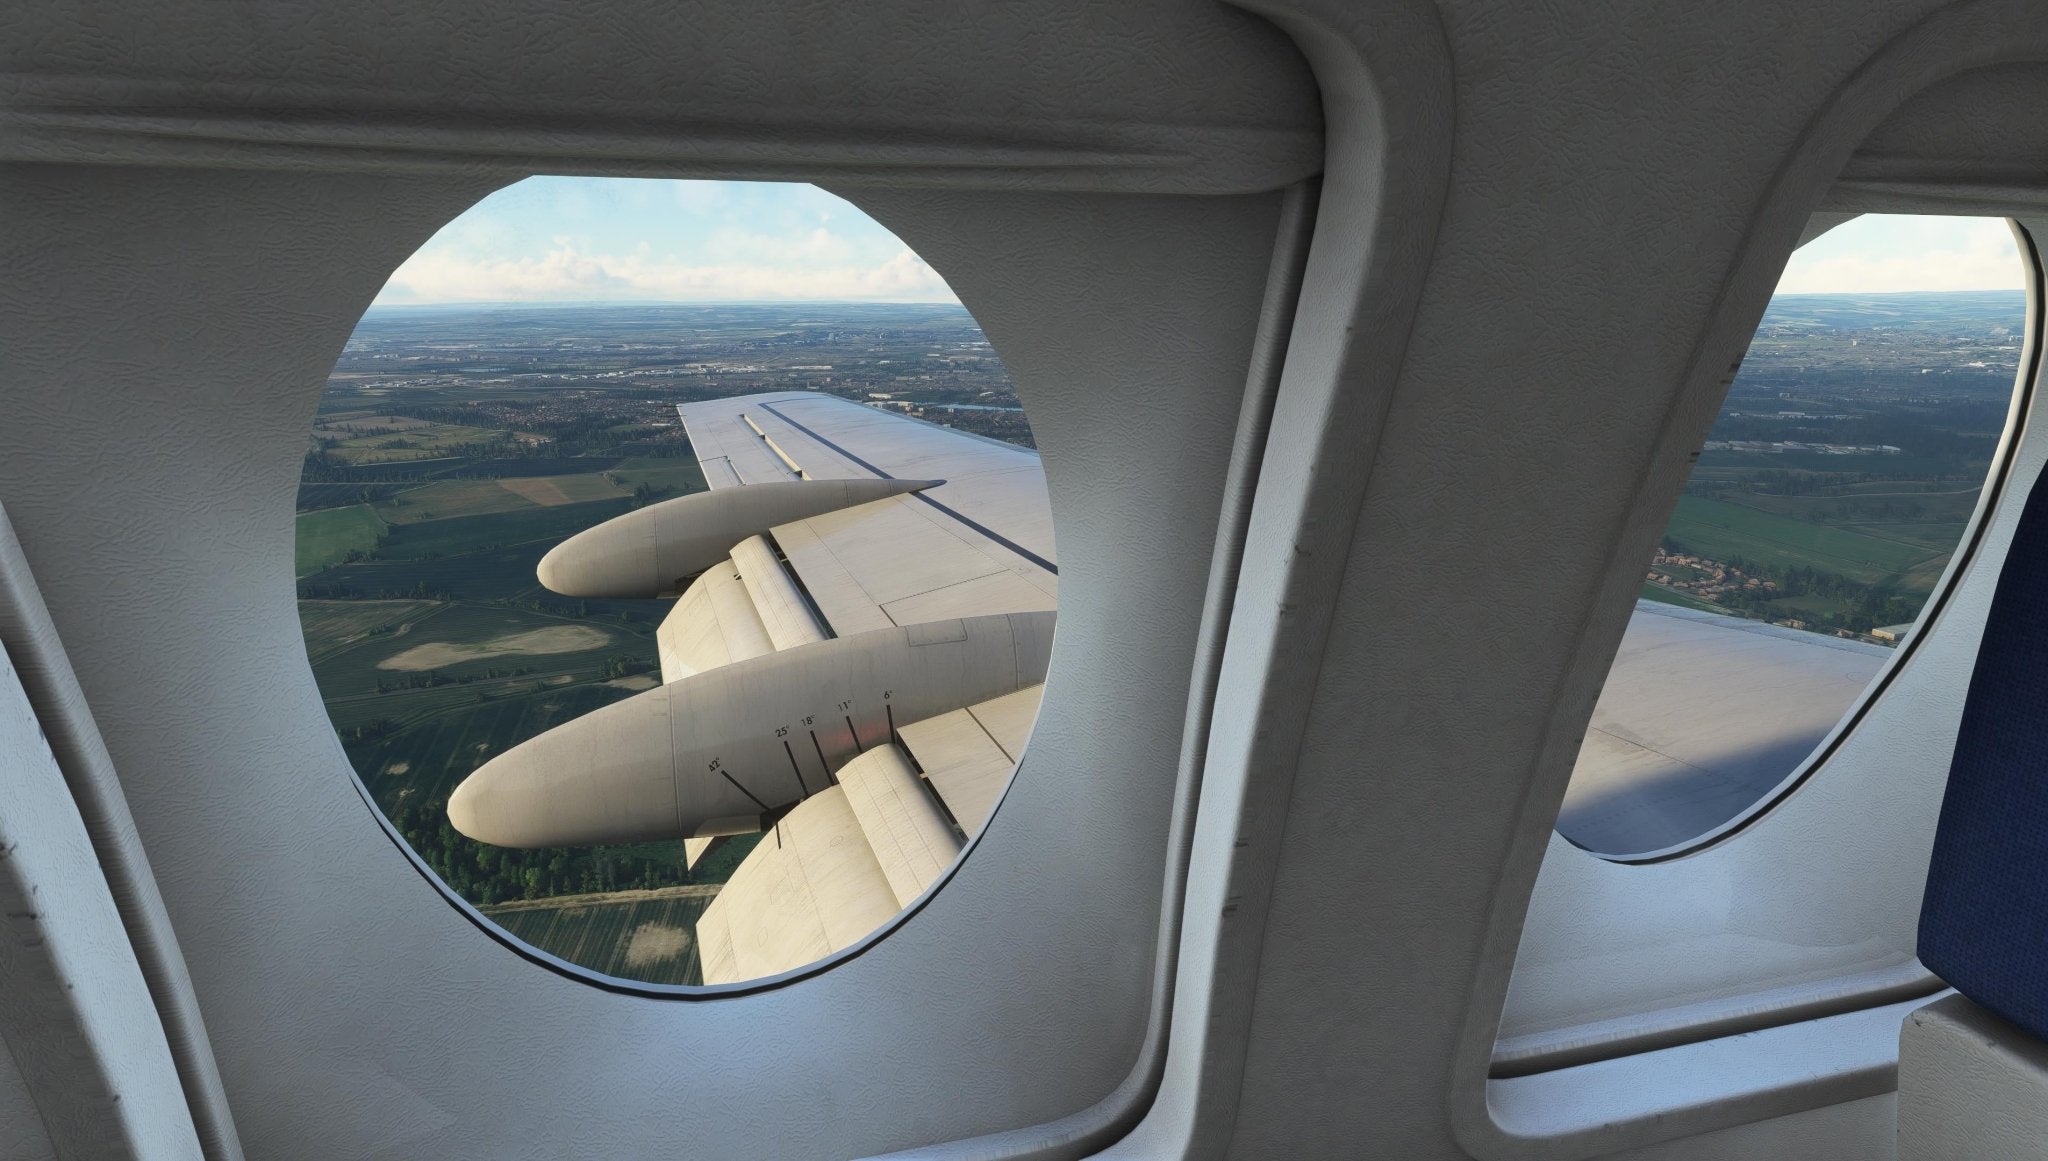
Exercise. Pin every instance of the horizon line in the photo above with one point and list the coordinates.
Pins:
(1882, 293)
(603, 302)
(523, 302)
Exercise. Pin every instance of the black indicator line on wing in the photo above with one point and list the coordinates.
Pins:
(822, 763)
(802, 789)
(766, 810)
(727, 775)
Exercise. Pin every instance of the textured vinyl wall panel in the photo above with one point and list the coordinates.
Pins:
(165, 336)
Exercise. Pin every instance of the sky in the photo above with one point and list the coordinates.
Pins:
(1882, 253)
(588, 239)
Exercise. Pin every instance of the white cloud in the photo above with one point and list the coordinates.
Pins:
(754, 267)
(1879, 255)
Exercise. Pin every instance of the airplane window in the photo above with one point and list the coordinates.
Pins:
(676, 567)
(1843, 472)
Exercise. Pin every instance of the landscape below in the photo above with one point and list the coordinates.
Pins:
(1847, 461)
(451, 450)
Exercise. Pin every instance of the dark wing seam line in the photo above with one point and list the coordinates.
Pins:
(991, 533)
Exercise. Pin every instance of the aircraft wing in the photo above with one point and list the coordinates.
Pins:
(1702, 715)
(978, 542)
(863, 616)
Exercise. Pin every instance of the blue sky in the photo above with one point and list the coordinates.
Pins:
(586, 239)
(580, 239)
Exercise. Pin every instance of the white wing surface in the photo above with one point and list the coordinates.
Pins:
(852, 666)
(1702, 715)
(980, 542)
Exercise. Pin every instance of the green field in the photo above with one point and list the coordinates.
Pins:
(461, 534)
(678, 476)
(326, 538)
(638, 935)
(393, 439)
(1883, 508)
(494, 574)
(445, 499)
(1722, 531)
(330, 626)
(500, 575)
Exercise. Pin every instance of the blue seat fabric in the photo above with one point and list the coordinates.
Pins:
(1984, 919)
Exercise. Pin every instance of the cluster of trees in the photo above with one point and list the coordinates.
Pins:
(342, 591)
(365, 733)
(322, 466)
(586, 431)
(1008, 426)
(645, 494)
(1867, 606)
(486, 874)
(434, 677)
(615, 667)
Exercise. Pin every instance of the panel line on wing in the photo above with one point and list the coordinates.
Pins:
(984, 529)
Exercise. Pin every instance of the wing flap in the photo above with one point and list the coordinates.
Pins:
(782, 607)
(911, 839)
(969, 754)
(849, 857)
(807, 890)
(713, 623)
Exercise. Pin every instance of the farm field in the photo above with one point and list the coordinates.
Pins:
(497, 575)
(330, 626)
(554, 491)
(679, 476)
(1903, 510)
(459, 534)
(1723, 531)
(641, 935)
(441, 499)
(464, 640)
(326, 538)
(444, 499)
(491, 574)
(356, 437)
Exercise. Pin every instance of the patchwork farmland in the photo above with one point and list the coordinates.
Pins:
(640, 935)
